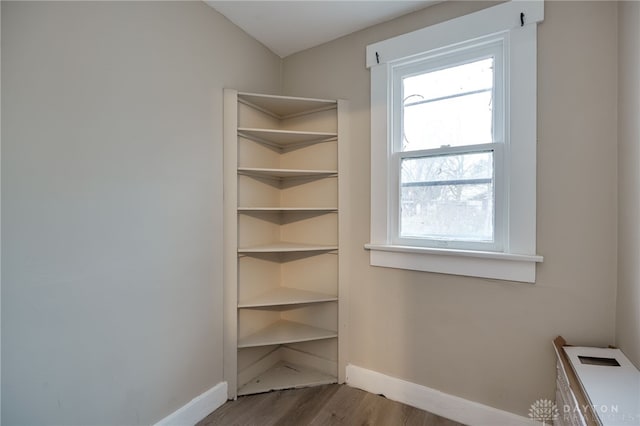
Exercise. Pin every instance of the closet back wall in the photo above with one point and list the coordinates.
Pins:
(485, 340)
(111, 205)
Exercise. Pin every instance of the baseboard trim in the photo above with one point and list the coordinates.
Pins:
(431, 400)
(198, 408)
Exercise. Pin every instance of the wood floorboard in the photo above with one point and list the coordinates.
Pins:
(309, 406)
(329, 405)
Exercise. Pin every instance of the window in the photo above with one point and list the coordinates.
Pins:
(453, 128)
(447, 150)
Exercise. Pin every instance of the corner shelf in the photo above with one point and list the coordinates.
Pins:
(286, 247)
(285, 173)
(285, 107)
(287, 209)
(286, 375)
(284, 331)
(282, 232)
(285, 138)
(282, 296)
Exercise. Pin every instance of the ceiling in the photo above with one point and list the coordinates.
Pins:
(287, 27)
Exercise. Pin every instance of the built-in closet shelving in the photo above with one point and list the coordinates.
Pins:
(284, 298)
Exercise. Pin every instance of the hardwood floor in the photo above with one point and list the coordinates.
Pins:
(320, 406)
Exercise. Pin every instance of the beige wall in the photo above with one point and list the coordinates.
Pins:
(111, 187)
(111, 194)
(485, 340)
(628, 308)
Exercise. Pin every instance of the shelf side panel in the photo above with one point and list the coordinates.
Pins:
(324, 349)
(251, 321)
(320, 156)
(318, 273)
(305, 227)
(344, 232)
(256, 275)
(252, 154)
(258, 229)
(309, 193)
(322, 121)
(258, 192)
(255, 361)
(252, 117)
(323, 315)
(230, 242)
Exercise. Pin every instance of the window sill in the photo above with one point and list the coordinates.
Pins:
(501, 266)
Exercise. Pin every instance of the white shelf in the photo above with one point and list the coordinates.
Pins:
(285, 375)
(282, 332)
(282, 196)
(286, 247)
(283, 107)
(284, 138)
(286, 296)
(287, 209)
(285, 173)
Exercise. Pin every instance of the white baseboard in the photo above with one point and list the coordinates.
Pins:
(431, 400)
(198, 408)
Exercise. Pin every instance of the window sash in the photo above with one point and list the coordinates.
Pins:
(435, 61)
(429, 62)
(499, 204)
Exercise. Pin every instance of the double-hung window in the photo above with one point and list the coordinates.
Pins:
(448, 141)
(453, 132)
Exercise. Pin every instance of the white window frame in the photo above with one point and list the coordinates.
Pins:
(490, 47)
(515, 24)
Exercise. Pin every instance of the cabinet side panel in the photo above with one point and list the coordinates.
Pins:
(230, 257)
(344, 236)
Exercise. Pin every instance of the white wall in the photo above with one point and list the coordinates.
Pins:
(486, 340)
(628, 307)
(111, 195)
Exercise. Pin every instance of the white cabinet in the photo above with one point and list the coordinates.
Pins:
(595, 387)
(283, 270)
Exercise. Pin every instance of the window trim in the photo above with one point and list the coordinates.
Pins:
(518, 258)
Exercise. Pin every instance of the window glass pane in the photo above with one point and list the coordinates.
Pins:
(453, 107)
(448, 197)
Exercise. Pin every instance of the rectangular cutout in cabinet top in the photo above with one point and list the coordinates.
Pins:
(594, 360)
